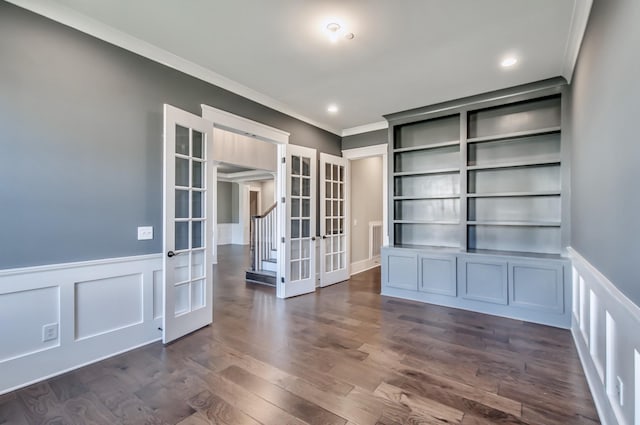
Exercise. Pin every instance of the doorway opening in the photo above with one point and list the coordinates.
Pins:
(368, 201)
(244, 197)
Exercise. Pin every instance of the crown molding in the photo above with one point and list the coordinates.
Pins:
(97, 29)
(380, 125)
(579, 20)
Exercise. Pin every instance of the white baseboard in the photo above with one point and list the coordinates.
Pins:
(101, 308)
(363, 265)
(606, 330)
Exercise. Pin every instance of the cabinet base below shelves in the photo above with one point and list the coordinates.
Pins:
(560, 321)
(536, 290)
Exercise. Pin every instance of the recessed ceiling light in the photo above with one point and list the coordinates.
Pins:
(509, 62)
(332, 109)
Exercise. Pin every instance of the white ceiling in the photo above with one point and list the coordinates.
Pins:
(406, 53)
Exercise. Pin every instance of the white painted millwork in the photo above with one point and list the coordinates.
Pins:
(102, 308)
(605, 327)
(188, 223)
(374, 126)
(297, 261)
(335, 235)
(241, 125)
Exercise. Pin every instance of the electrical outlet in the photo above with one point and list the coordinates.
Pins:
(145, 233)
(620, 391)
(49, 332)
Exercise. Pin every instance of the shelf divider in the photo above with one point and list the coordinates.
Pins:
(513, 164)
(512, 194)
(424, 172)
(425, 147)
(515, 223)
(515, 135)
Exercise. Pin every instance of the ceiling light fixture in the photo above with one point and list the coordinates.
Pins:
(332, 109)
(335, 31)
(509, 62)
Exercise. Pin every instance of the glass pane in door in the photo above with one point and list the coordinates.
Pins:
(335, 251)
(300, 213)
(190, 225)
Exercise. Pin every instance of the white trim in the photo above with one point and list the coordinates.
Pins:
(604, 328)
(97, 29)
(88, 263)
(62, 372)
(364, 265)
(366, 152)
(630, 307)
(374, 126)
(579, 20)
(136, 280)
(246, 176)
(373, 224)
(238, 124)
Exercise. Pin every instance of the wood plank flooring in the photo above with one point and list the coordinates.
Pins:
(344, 355)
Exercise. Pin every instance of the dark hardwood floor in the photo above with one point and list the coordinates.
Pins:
(344, 355)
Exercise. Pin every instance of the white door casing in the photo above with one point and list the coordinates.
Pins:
(188, 223)
(334, 219)
(297, 261)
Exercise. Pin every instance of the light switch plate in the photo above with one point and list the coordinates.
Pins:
(145, 233)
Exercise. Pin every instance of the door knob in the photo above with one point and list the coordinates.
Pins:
(171, 254)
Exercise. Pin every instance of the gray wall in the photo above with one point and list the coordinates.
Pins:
(366, 203)
(228, 206)
(81, 141)
(606, 147)
(370, 138)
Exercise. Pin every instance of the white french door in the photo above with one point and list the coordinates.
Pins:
(334, 219)
(298, 263)
(188, 223)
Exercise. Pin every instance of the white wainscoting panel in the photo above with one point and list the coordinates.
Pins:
(105, 305)
(158, 305)
(606, 330)
(23, 314)
(102, 308)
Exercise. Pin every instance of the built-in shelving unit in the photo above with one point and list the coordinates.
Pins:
(426, 198)
(509, 158)
(479, 204)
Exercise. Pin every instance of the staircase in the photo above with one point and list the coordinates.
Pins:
(264, 248)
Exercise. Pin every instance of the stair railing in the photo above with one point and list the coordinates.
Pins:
(263, 237)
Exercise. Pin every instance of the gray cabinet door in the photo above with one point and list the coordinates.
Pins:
(483, 279)
(537, 286)
(437, 274)
(400, 269)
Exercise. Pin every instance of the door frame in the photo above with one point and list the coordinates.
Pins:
(227, 121)
(368, 152)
